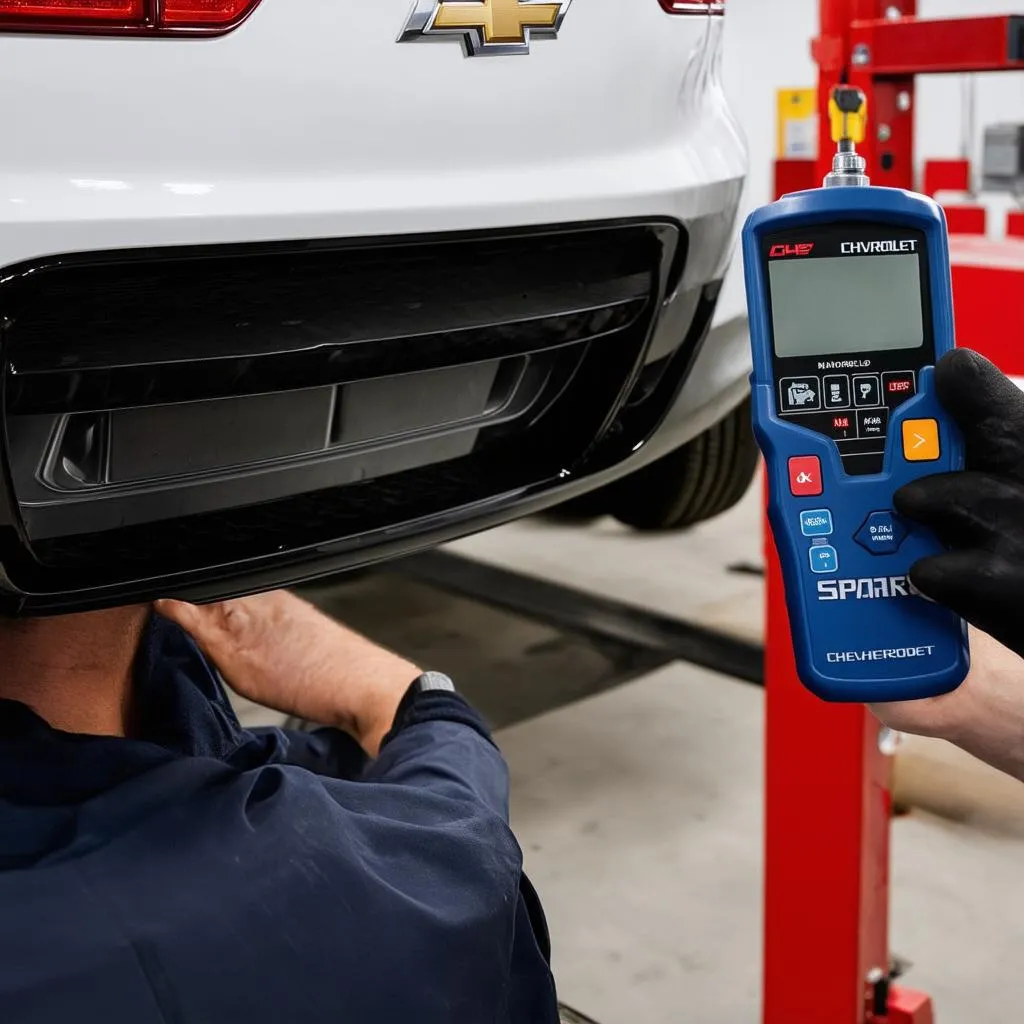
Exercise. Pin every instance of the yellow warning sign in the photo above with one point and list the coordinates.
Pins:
(797, 124)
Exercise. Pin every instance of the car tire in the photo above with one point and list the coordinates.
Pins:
(699, 481)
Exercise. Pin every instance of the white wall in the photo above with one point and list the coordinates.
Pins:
(767, 48)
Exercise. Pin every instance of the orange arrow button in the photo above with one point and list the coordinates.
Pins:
(921, 440)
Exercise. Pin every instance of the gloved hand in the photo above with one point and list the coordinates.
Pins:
(978, 514)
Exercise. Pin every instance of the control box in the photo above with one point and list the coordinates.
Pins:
(1002, 164)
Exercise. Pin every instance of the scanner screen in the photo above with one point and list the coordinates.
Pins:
(841, 304)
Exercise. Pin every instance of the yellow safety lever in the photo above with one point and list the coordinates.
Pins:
(848, 114)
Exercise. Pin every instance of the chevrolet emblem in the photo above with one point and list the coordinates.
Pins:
(486, 26)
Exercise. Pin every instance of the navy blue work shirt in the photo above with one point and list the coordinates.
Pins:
(200, 873)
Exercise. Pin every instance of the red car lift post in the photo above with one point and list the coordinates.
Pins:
(828, 782)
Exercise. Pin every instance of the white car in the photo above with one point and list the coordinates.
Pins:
(295, 285)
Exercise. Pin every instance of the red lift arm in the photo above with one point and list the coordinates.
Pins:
(828, 782)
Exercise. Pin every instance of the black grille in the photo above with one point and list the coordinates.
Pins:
(312, 520)
(176, 327)
(565, 315)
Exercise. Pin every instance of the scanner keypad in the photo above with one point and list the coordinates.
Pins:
(853, 409)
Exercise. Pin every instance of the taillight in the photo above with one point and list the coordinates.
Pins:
(123, 16)
(196, 13)
(47, 12)
(693, 6)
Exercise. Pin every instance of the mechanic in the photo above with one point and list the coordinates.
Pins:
(158, 863)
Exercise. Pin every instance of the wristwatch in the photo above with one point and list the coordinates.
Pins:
(432, 681)
(429, 682)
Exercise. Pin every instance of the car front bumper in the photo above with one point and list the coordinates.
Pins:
(547, 268)
(284, 420)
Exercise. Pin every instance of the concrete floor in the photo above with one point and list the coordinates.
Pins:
(639, 807)
(640, 811)
(640, 814)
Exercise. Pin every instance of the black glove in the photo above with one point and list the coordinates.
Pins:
(977, 514)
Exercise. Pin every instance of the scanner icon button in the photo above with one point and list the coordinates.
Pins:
(824, 558)
(816, 522)
(800, 394)
(866, 391)
(836, 391)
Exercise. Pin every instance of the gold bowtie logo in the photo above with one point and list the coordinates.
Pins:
(486, 26)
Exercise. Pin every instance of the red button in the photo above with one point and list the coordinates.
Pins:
(805, 476)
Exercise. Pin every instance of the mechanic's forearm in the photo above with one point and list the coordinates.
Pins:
(362, 689)
(987, 719)
(282, 652)
(990, 725)
(985, 716)
(1000, 752)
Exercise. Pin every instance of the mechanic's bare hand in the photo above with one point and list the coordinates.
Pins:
(984, 716)
(281, 652)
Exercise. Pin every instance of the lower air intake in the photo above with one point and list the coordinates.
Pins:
(173, 414)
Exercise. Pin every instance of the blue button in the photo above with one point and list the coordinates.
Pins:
(882, 533)
(816, 523)
(824, 558)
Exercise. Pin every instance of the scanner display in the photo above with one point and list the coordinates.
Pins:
(844, 304)
(851, 328)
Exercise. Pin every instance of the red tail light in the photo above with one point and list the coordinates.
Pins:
(204, 12)
(46, 12)
(693, 6)
(123, 16)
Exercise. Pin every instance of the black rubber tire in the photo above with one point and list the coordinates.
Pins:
(699, 481)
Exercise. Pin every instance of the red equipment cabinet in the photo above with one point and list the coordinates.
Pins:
(828, 782)
(988, 283)
(946, 176)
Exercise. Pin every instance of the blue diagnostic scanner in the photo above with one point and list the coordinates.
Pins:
(848, 289)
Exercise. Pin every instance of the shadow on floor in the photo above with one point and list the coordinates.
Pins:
(509, 666)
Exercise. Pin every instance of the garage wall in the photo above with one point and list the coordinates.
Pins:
(768, 48)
